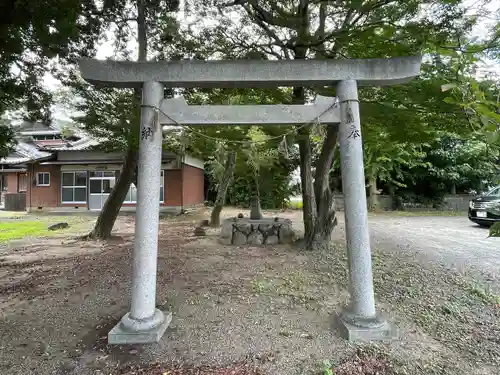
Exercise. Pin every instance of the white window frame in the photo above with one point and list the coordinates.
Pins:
(38, 176)
(162, 187)
(75, 186)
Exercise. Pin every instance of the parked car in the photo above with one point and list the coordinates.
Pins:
(485, 210)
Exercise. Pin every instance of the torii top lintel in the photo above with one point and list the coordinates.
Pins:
(251, 73)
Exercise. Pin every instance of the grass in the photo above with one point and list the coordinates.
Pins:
(17, 230)
(25, 227)
(295, 205)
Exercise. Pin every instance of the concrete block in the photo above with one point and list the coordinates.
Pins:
(377, 330)
(119, 335)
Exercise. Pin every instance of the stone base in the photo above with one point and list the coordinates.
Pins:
(265, 231)
(120, 335)
(375, 330)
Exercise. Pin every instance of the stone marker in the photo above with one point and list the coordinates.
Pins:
(58, 226)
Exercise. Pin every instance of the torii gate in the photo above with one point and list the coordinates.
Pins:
(144, 323)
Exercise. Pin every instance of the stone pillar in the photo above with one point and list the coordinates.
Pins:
(144, 323)
(359, 320)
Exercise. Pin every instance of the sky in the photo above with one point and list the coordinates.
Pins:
(106, 49)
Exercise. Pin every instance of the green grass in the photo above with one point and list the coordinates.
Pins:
(20, 229)
(295, 205)
(36, 226)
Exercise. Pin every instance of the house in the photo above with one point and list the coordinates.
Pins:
(70, 173)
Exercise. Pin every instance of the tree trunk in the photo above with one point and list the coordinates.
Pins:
(222, 190)
(109, 212)
(453, 190)
(373, 203)
(306, 178)
(255, 210)
(326, 219)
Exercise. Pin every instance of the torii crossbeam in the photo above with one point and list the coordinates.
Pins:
(144, 323)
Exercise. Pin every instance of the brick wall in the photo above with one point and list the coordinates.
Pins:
(173, 188)
(44, 196)
(193, 185)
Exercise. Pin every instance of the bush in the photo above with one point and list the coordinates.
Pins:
(295, 205)
(495, 230)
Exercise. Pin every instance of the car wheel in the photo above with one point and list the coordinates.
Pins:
(484, 225)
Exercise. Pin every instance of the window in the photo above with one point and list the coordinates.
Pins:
(132, 192)
(74, 187)
(494, 193)
(43, 179)
(102, 174)
(22, 184)
(3, 182)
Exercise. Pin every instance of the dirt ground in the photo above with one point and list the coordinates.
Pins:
(269, 310)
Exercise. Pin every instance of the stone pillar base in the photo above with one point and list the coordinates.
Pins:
(363, 330)
(141, 334)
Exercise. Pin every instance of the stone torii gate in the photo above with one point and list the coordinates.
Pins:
(144, 323)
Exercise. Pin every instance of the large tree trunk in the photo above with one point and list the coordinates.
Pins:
(109, 212)
(326, 219)
(317, 197)
(373, 203)
(222, 190)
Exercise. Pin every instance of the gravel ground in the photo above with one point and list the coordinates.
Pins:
(452, 241)
(245, 310)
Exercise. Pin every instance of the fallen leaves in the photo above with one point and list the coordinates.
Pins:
(158, 369)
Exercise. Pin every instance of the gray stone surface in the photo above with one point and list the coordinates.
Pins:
(266, 231)
(226, 232)
(356, 333)
(180, 113)
(147, 211)
(251, 73)
(362, 301)
(226, 240)
(255, 238)
(120, 335)
(239, 239)
(272, 240)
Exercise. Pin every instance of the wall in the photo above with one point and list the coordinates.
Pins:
(193, 182)
(451, 203)
(44, 196)
(12, 183)
(173, 188)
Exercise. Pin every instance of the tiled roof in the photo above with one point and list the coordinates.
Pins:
(24, 152)
(82, 144)
(49, 143)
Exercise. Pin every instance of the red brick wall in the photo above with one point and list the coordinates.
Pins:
(44, 196)
(173, 188)
(193, 183)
